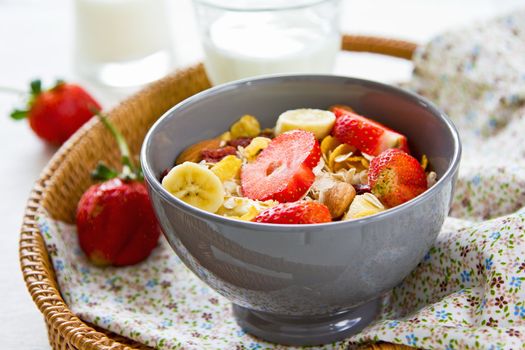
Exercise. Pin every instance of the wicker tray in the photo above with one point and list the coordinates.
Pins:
(64, 179)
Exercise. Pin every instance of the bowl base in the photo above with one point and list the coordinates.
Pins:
(306, 330)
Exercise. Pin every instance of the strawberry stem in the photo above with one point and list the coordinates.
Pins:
(129, 170)
(36, 87)
(35, 90)
(10, 90)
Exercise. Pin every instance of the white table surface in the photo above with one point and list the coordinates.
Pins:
(36, 41)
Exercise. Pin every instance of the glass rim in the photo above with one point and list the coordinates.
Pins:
(228, 6)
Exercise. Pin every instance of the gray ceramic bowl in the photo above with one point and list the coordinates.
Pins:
(303, 284)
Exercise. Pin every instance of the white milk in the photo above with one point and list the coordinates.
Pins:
(113, 32)
(120, 30)
(241, 45)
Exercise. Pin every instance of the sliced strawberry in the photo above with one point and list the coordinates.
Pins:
(365, 134)
(396, 177)
(283, 170)
(301, 212)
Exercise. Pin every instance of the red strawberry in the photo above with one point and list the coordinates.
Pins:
(396, 177)
(301, 212)
(116, 223)
(115, 220)
(55, 114)
(365, 134)
(282, 171)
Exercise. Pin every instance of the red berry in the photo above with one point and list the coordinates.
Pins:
(55, 114)
(214, 155)
(301, 212)
(283, 170)
(396, 177)
(116, 223)
(241, 141)
(361, 188)
(366, 135)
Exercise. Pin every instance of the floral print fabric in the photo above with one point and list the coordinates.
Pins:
(467, 293)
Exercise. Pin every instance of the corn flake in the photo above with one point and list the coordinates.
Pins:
(225, 136)
(341, 151)
(342, 157)
(242, 208)
(364, 205)
(228, 168)
(328, 144)
(255, 147)
(246, 126)
(424, 162)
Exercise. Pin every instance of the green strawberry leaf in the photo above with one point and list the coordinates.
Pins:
(18, 114)
(103, 173)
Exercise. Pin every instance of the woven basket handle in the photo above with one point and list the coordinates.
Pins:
(383, 46)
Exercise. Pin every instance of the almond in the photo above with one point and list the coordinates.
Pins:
(337, 198)
(194, 152)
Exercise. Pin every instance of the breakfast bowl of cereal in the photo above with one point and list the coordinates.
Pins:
(302, 199)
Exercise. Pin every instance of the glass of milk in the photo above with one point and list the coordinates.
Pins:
(243, 38)
(122, 43)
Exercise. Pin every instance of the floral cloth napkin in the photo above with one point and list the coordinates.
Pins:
(468, 293)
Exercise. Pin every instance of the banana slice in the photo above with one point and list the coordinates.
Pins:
(195, 185)
(314, 120)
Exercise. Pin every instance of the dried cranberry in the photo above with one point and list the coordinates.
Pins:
(164, 173)
(214, 155)
(241, 141)
(361, 189)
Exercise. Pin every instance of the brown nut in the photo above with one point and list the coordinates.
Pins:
(345, 107)
(337, 198)
(194, 152)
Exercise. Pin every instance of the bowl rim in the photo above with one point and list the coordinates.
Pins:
(155, 184)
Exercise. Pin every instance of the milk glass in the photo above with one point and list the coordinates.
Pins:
(122, 42)
(243, 38)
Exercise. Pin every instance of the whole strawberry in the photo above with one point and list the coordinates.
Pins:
(116, 223)
(55, 114)
(396, 177)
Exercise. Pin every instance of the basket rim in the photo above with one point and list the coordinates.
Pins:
(38, 273)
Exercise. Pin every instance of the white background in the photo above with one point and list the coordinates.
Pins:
(36, 41)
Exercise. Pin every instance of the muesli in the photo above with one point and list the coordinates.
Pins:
(314, 166)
